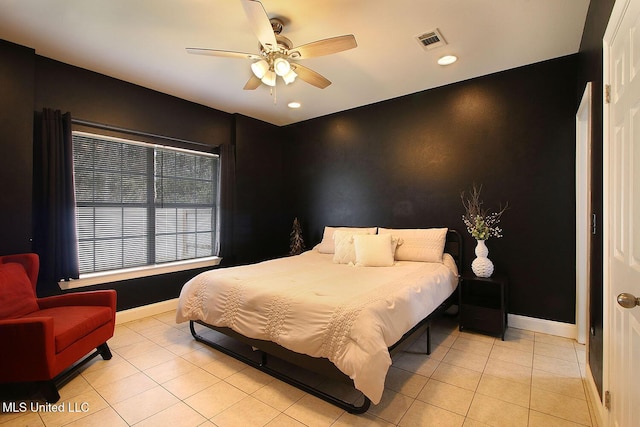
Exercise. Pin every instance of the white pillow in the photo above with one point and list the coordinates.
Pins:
(344, 251)
(426, 245)
(374, 251)
(327, 245)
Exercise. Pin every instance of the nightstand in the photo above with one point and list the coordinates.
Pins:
(483, 304)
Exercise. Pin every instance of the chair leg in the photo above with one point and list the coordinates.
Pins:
(104, 351)
(49, 391)
(65, 376)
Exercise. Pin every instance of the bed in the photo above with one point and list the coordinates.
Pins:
(341, 309)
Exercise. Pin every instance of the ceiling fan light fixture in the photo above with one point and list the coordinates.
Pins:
(269, 78)
(290, 77)
(281, 66)
(260, 68)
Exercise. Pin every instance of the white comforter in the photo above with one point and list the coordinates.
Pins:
(306, 303)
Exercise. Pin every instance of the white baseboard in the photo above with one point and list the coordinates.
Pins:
(138, 313)
(594, 400)
(551, 327)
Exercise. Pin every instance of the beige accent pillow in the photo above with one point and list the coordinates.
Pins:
(375, 250)
(419, 244)
(327, 245)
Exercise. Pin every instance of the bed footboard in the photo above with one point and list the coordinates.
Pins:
(261, 360)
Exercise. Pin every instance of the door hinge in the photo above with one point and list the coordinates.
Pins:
(607, 94)
(607, 400)
(593, 224)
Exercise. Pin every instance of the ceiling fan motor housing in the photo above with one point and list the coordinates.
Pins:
(284, 44)
(277, 25)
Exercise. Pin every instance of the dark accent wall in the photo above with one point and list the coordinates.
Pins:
(17, 68)
(403, 163)
(261, 225)
(102, 99)
(590, 57)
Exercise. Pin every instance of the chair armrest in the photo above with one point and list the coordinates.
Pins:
(106, 298)
(27, 345)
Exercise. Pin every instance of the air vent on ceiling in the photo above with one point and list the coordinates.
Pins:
(431, 40)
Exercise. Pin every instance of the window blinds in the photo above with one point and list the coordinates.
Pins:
(139, 204)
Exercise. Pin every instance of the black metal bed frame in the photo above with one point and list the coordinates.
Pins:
(261, 350)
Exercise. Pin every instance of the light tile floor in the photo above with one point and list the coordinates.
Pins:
(160, 376)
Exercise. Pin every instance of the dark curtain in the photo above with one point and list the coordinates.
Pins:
(227, 202)
(55, 239)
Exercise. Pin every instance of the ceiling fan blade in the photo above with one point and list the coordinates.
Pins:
(252, 83)
(310, 76)
(323, 47)
(223, 53)
(260, 24)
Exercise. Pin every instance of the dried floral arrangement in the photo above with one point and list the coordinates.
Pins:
(481, 223)
(296, 240)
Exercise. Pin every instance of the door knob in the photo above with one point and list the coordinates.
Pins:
(628, 300)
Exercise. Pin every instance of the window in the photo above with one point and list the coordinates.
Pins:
(139, 204)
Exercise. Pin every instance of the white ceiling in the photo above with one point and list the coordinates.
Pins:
(144, 41)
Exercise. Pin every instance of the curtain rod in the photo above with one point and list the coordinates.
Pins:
(135, 132)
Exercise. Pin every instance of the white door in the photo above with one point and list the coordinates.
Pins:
(622, 213)
(583, 213)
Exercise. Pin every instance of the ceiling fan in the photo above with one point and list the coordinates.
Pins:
(277, 55)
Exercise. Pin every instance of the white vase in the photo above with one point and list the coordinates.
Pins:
(482, 266)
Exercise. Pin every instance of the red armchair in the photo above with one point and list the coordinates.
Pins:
(41, 339)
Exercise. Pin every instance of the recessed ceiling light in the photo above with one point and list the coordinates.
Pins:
(294, 105)
(447, 59)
